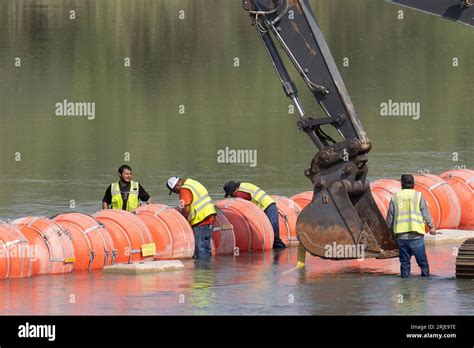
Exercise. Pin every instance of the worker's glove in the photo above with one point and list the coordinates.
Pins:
(180, 205)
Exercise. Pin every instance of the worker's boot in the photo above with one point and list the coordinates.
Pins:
(278, 244)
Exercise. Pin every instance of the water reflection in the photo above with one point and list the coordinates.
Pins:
(202, 293)
(408, 297)
(250, 284)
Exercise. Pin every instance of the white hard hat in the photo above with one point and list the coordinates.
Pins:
(172, 183)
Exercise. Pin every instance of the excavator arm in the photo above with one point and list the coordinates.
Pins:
(461, 11)
(343, 211)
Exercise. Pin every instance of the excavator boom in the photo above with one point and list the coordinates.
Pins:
(342, 212)
(461, 11)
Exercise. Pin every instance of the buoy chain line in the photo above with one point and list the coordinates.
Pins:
(443, 196)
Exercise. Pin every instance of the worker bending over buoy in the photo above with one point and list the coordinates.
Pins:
(125, 194)
(256, 195)
(406, 218)
(196, 205)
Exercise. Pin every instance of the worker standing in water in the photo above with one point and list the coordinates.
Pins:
(406, 218)
(257, 196)
(125, 194)
(195, 205)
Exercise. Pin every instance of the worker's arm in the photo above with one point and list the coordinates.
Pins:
(243, 195)
(143, 195)
(186, 198)
(107, 200)
(185, 211)
(427, 215)
(390, 215)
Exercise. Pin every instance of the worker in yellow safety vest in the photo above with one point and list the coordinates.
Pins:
(125, 194)
(259, 197)
(196, 206)
(406, 218)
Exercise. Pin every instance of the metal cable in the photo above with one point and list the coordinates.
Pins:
(265, 13)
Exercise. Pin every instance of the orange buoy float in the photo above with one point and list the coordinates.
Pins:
(129, 234)
(171, 232)
(462, 182)
(15, 253)
(93, 246)
(288, 211)
(53, 248)
(380, 203)
(382, 191)
(441, 200)
(303, 198)
(223, 237)
(252, 228)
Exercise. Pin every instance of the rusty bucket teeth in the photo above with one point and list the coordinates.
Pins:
(342, 222)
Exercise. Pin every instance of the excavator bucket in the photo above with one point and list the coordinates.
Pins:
(343, 222)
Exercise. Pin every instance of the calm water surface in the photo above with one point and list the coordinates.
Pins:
(251, 284)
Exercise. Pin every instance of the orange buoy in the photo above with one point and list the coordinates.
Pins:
(253, 231)
(15, 253)
(129, 234)
(288, 211)
(53, 249)
(303, 198)
(223, 237)
(382, 191)
(378, 198)
(171, 232)
(93, 246)
(462, 182)
(441, 200)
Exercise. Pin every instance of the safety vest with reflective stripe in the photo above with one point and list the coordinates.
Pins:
(132, 202)
(201, 206)
(259, 197)
(408, 217)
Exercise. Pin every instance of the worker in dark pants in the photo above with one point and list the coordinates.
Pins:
(406, 218)
(125, 194)
(256, 195)
(196, 206)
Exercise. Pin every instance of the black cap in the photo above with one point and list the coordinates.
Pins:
(407, 180)
(230, 188)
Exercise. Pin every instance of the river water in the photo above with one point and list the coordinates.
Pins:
(198, 82)
(251, 284)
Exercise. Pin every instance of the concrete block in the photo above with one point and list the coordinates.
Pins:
(145, 268)
(449, 237)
